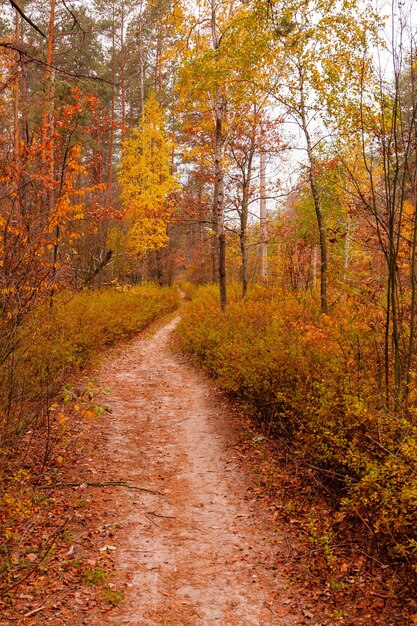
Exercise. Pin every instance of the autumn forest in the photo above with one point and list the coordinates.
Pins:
(248, 169)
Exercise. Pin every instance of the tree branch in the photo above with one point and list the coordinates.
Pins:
(25, 53)
(99, 267)
(107, 483)
(74, 17)
(26, 18)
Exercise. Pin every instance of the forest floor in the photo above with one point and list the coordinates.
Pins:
(199, 540)
(198, 550)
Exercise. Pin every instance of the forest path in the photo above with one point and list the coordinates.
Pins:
(200, 551)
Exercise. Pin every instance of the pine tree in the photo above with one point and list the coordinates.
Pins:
(147, 182)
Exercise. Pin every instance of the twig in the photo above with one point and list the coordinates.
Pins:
(107, 483)
(379, 595)
(326, 471)
(74, 17)
(40, 608)
(43, 557)
(289, 547)
(159, 515)
(152, 521)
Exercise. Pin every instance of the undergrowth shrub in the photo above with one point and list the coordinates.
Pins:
(315, 380)
(40, 410)
(188, 289)
(52, 344)
(85, 323)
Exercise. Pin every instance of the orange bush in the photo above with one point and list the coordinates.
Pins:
(314, 379)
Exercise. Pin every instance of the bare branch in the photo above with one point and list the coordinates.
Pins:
(74, 17)
(26, 18)
(27, 55)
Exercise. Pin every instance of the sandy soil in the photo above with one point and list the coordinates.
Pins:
(200, 550)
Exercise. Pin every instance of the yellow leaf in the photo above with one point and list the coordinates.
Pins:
(61, 418)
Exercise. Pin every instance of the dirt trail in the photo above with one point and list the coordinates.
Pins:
(198, 552)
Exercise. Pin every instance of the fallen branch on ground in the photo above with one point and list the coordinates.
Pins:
(107, 483)
(40, 608)
(160, 515)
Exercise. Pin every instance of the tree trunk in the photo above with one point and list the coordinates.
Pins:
(112, 112)
(123, 69)
(316, 198)
(16, 102)
(244, 254)
(47, 132)
(219, 201)
(347, 249)
(244, 217)
(159, 267)
(218, 196)
(141, 68)
(263, 243)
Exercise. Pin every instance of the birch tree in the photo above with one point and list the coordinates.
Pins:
(324, 45)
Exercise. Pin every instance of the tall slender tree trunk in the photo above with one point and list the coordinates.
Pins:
(141, 62)
(243, 238)
(16, 101)
(48, 129)
(219, 202)
(16, 123)
(244, 213)
(316, 198)
(47, 132)
(347, 248)
(159, 267)
(24, 96)
(202, 234)
(123, 69)
(214, 243)
(158, 71)
(263, 234)
(112, 111)
(218, 196)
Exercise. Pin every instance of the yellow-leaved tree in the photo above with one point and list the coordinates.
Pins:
(147, 183)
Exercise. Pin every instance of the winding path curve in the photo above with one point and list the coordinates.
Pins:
(200, 551)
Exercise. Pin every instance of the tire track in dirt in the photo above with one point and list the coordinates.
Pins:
(199, 552)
